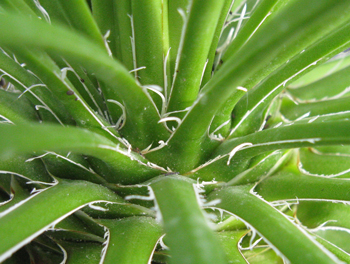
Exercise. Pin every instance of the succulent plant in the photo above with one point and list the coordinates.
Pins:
(174, 131)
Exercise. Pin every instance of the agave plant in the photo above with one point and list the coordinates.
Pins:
(174, 131)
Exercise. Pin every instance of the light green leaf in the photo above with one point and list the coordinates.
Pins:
(297, 246)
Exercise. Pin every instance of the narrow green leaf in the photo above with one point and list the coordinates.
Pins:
(291, 186)
(332, 66)
(34, 90)
(82, 253)
(42, 65)
(42, 250)
(256, 19)
(296, 245)
(318, 90)
(55, 11)
(70, 166)
(65, 92)
(80, 18)
(337, 251)
(259, 167)
(123, 166)
(209, 68)
(17, 193)
(73, 229)
(176, 24)
(187, 232)
(82, 82)
(316, 163)
(314, 214)
(243, 71)
(260, 50)
(148, 40)
(142, 118)
(200, 24)
(249, 111)
(292, 111)
(131, 240)
(72, 196)
(34, 7)
(82, 15)
(122, 11)
(232, 156)
(262, 255)
(25, 167)
(230, 240)
(105, 17)
(16, 110)
(17, 6)
(290, 136)
(338, 238)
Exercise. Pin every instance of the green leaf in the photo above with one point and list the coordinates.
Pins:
(80, 18)
(214, 44)
(82, 253)
(17, 193)
(283, 36)
(199, 27)
(292, 111)
(73, 229)
(289, 136)
(319, 89)
(26, 167)
(142, 124)
(60, 86)
(259, 167)
(104, 13)
(187, 232)
(257, 16)
(339, 239)
(70, 166)
(148, 40)
(250, 110)
(291, 186)
(176, 24)
(232, 156)
(297, 246)
(316, 213)
(339, 252)
(338, 63)
(16, 110)
(316, 163)
(230, 240)
(34, 90)
(18, 6)
(287, 27)
(72, 195)
(131, 240)
(121, 165)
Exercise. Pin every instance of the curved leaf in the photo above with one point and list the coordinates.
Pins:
(232, 156)
(72, 195)
(187, 232)
(126, 167)
(297, 246)
(142, 124)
